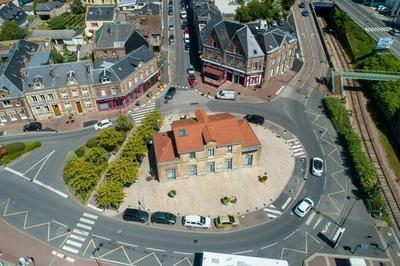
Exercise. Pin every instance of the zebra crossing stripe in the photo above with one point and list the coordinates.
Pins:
(69, 249)
(87, 227)
(91, 216)
(299, 154)
(73, 243)
(80, 232)
(84, 220)
(295, 146)
(77, 237)
(297, 150)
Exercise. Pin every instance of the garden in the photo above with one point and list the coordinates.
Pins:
(67, 21)
(12, 151)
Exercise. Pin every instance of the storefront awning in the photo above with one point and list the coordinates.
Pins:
(214, 71)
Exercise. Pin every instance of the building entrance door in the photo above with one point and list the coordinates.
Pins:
(79, 107)
(56, 110)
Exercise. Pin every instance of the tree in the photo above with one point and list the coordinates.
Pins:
(110, 194)
(109, 139)
(242, 14)
(388, 94)
(10, 30)
(77, 7)
(287, 4)
(154, 119)
(135, 149)
(96, 155)
(123, 123)
(56, 57)
(123, 171)
(382, 63)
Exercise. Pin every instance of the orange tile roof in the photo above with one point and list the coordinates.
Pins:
(192, 134)
(164, 147)
(249, 137)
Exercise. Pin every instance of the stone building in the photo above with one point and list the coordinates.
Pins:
(96, 16)
(205, 144)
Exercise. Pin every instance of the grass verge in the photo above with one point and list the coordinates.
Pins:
(9, 157)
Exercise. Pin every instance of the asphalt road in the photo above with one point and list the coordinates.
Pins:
(51, 218)
(365, 19)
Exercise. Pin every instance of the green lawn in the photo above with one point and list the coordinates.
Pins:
(11, 156)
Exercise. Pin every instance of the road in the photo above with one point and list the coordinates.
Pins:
(51, 218)
(366, 19)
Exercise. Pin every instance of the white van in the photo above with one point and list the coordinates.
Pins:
(186, 37)
(183, 14)
(196, 221)
(225, 95)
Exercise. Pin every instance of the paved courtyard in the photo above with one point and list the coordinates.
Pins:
(202, 194)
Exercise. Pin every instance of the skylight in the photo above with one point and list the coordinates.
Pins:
(182, 132)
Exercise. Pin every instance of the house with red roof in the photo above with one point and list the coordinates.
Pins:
(205, 144)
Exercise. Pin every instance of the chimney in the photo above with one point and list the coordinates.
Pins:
(52, 74)
(87, 67)
(109, 29)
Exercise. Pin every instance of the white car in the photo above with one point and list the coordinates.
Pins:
(171, 27)
(190, 70)
(317, 166)
(304, 207)
(103, 124)
(196, 221)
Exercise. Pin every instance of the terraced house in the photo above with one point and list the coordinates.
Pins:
(205, 144)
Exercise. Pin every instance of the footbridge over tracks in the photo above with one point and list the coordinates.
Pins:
(337, 77)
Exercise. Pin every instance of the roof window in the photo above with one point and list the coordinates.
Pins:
(182, 132)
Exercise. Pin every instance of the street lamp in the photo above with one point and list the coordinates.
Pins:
(95, 253)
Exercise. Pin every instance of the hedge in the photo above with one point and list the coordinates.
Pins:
(366, 174)
(16, 149)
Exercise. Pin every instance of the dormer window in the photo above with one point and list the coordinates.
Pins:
(182, 132)
(37, 82)
(105, 80)
(71, 77)
(215, 44)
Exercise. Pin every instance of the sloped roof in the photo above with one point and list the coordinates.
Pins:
(273, 40)
(100, 13)
(48, 6)
(10, 11)
(112, 33)
(164, 147)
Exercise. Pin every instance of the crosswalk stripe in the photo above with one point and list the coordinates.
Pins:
(272, 211)
(77, 237)
(84, 220)
(273, 216)
(295, 146)
(80, 232)
(299, 153)
(73, 243)
(84, 226)
(91, 216)
(69, 249)
(291, 140)
(297, 150)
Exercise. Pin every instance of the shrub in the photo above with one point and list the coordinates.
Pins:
(79, 152)
(92, 142)
(123, 171)
(96, 155)
(10, 156)
(14, 147)
(109, 139)
(110, 194)
(3, 151)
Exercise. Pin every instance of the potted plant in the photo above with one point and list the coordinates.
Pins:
(226, 201)
(172, 193)
(263, 178)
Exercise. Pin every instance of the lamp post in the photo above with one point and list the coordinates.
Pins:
(95, 253)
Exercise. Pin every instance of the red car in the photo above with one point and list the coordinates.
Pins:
(186, 30)
(192, 80)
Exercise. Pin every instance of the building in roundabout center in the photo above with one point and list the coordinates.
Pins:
(205, 144)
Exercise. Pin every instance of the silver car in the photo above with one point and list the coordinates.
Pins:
(317, 166)
(304, 207)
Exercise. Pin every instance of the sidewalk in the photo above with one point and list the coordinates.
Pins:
(267, 92)
(79, 121)
(15, 244)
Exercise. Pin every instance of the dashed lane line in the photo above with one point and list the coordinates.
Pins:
(242, 252)
(156, 249)
(127, 244)
(183, 253)
(102, 237)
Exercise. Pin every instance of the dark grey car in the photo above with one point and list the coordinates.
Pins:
(163, 218)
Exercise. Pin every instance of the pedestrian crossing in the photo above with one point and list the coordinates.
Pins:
(272, 212)
(138, 115)
(77, 238)
(296, 148)
(377, 29)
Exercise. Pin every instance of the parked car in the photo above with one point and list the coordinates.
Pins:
(170, 11)
(135, 215)
(192, 80)
(281, 22)
(225, 95)
(103, 124)
(33, 126)
(190, 70)
(186, 37)
(186, 30)
(187, 46)
(163, 218)
(317, 166)
(171, 39)
(255, 119)
(170, 93)
(184, 24)
(274, 23)
(304, 207)
(171, 27)
(183, 14)
(226, 221)
(305, 13)
(170, 3)
(196, 221)
(394, 32)
(302, 4)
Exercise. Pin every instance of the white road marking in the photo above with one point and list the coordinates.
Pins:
(272, 211)
(317, 223)
(309, 219)
(77, 237)
(69, 259)
(127, 244)
(87, 227)
(88, 215)
(299, 153)
(296, 146)
(289, 235)
(271, 245)
(102, 237)
(155, 249)
(80, 232)
(73, 243)
(62, 194)
(326, 228)
(94, 208)
(286, 203)
(60, 255)
(16, 173)
(69, 249)
(279, 90)
(54, 252)
(87, 221)
(183, 253)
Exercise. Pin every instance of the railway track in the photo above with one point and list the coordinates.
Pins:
(362, 122)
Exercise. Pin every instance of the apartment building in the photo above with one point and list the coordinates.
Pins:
(205, 144)
(59, 89)
(96, 16)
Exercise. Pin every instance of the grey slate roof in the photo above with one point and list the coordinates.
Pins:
(48, 6)
(55, 75)
(227, 31)
(272, 40)
(100, 13)
(205, 11)
(112, 34)
(10, 77)
(10, 11)
(124, 67)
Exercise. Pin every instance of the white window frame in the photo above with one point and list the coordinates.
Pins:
(88, 103)
(3, 118)
(85, 92)
(42, 97)
(34, 98)
(13, 116)
(75, 93)
(64, 94)
(23, 115)
(46, 109)
(50, 96)
(38, 110)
